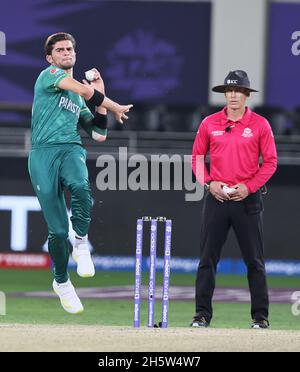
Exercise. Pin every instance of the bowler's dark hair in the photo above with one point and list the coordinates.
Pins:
(60, 36)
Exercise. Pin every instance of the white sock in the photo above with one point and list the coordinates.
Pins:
(80, 240)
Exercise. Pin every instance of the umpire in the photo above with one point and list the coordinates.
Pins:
(235, 138)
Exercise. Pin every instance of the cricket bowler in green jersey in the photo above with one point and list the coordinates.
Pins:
(57, 160)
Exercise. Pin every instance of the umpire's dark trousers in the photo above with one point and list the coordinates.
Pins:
(245, 217)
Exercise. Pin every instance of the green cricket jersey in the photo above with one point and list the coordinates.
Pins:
(56, 112)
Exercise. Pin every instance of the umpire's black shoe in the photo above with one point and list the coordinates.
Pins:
(260, 324)
(199, 321)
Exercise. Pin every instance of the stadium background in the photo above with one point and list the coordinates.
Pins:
(163, 57)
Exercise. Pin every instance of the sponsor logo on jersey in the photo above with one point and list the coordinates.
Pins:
(247, 133)
(56, 71)
(67, 104)
(216, 133)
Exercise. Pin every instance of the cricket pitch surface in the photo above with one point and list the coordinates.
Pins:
(21, 337)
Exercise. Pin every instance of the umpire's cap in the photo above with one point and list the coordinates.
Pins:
(237, 78)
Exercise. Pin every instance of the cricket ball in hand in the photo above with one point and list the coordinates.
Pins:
(228, 190)
(90, 75)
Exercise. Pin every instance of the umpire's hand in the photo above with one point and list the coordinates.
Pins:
(241, 192)
(216, 190)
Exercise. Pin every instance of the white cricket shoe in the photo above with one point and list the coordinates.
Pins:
(68, 297)
(82, 256)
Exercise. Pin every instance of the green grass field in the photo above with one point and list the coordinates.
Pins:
(120, 312)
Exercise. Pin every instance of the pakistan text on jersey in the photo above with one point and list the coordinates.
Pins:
(67, 104)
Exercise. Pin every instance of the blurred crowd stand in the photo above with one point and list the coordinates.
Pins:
(165, 118)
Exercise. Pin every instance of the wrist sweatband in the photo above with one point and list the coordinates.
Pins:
(97, 133)
(100, 120)
(96, 99)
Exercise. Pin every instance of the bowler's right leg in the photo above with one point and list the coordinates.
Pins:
(44, 167)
